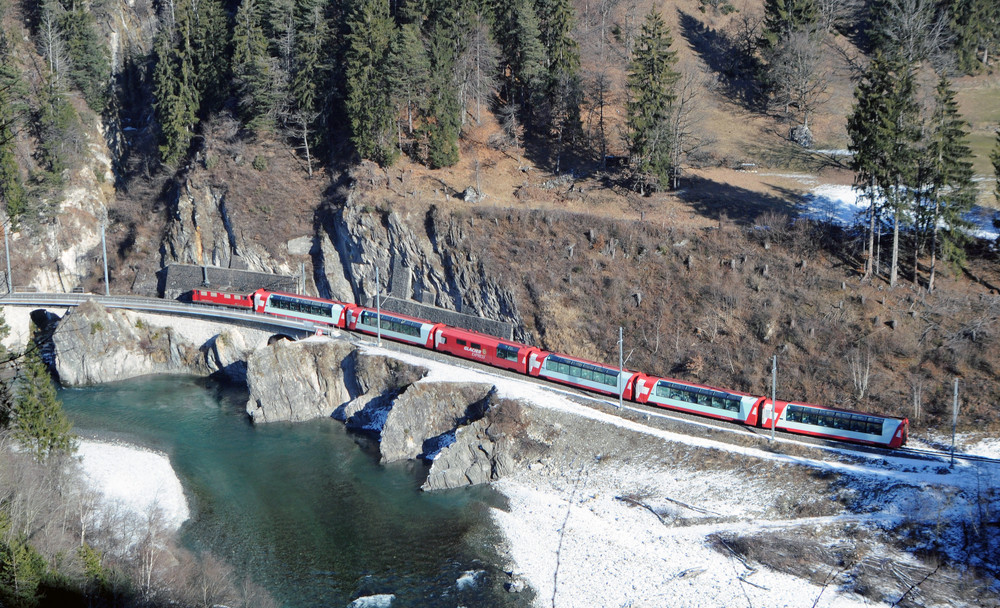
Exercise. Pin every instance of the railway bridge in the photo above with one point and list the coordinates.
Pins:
(160, 306)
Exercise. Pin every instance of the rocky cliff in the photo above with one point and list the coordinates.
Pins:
(94, 345)
(420, 256)
(468, 434)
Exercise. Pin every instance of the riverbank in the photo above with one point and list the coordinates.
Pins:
(133, 481)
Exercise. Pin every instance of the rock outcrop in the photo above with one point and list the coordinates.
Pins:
(94, 345)
(297, 381)
(469, 434)
(419, 257)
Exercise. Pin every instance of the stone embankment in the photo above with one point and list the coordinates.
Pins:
(468, 433)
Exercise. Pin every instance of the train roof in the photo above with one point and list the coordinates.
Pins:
(478, 335)
(843, 410)
(301, 297)
(705, 386)
(605, 366)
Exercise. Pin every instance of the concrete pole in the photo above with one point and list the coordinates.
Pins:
(204, 274)
(6, 245)
(774, 390)
(104, 248)
(378, 307)
(954, 423)
(621, 367)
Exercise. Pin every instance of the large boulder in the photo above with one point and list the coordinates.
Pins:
(426, 411)
(94, 345)
(297, 381)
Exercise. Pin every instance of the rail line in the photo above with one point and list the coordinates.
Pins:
(304, 328)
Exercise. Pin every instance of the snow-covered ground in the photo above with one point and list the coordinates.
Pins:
(845, 206)
(134, 481)
(614, 533)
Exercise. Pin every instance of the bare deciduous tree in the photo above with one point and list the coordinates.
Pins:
(861, 370)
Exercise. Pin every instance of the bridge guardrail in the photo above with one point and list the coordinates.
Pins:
(154, 305)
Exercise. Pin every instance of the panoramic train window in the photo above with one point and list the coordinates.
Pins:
(506, 352)
(308, 307)
(846, 421)
(581, 370)
(698, 396)
(389, 323)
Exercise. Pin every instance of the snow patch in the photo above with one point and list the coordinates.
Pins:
(373, 601)
(469, 579)
(134, 480)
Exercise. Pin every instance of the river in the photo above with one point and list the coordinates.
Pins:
(305, 509)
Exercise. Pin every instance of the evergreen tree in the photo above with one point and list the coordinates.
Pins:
(40, 424)
(883, 129)
(175, 90)
(411, 72)
(12, 194)
(650, 82)
(89, 64)
(444, 114)
(976, 28)
(783, 17)
(949, 178)
(370, 32)
(563, 91)
(310, 70)
(210, 47)
(478, 66)
(59, 131)
(523, 66)
(254, 71)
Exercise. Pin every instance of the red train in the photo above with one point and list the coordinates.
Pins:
(722, 404)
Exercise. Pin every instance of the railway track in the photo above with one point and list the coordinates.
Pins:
(635, 412)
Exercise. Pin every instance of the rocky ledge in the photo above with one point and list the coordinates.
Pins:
(467, 433)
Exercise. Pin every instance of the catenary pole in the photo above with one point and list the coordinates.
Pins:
(6, 246)
(621, 367)
(104, 248)
(378, 307)
(954, 422)
(774, 390)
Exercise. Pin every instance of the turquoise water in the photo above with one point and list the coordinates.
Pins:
(303, 509)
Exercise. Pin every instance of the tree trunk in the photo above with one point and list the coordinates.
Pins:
(871, 235)
(934, 233)
(894, 271)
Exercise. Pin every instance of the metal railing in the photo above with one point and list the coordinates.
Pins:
(156, 305)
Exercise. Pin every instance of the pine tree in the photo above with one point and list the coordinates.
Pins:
(310, 73)
(650, 82)
(975, 25)
(12, 194)
(89, 64)
(444, 113)
(411, 72)
(175, 90)
(783, 17)
(370, 32)
(949, 178)
(253, 69)
(883, 129)
(40, 424)
(563, 91)
(523, 57)
(210, 47)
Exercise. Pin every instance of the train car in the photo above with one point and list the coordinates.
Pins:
(306, 308)
(483, 348)
(697, 399)
(581, 373)
(394, 326)
(841, 425)
(221, 298)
